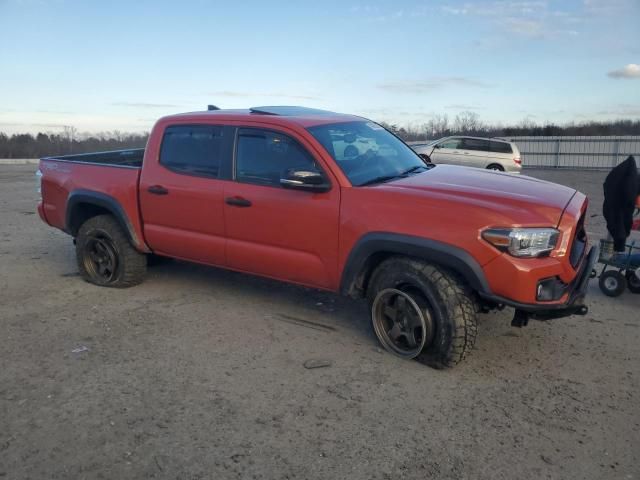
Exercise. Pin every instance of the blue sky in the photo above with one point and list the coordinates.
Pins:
(105, 65)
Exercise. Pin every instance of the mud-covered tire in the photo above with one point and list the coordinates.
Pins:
(451, 305)
(102, 237)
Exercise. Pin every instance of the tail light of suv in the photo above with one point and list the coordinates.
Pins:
(517, 160)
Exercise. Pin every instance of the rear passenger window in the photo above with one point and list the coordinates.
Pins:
(500, 147)
(263, 157)
(475, 144)
(193, 149)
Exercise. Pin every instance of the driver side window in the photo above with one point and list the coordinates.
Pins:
(263, 157)
(452, 143)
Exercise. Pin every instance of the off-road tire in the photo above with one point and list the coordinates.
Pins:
(131, 265)
(452, 304)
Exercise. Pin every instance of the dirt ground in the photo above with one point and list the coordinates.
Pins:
(198, 374)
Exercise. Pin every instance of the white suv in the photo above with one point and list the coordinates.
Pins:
(489, 153)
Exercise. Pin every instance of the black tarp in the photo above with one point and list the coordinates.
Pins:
(621, 187)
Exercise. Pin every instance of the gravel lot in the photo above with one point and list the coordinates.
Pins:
(198, 374)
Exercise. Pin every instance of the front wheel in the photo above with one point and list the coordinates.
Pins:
(422, 311)
(106, 257)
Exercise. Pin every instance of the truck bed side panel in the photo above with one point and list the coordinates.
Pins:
(60, 179)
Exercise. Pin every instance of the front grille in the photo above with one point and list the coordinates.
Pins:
(579, 243)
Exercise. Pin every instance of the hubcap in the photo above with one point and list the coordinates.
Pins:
(400, 324)
(100, 258)
(610, 283)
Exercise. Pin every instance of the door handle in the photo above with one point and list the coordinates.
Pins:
(157, 190)
(237, 202)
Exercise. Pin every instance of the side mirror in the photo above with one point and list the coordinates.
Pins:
(308, 180)
(437, 145)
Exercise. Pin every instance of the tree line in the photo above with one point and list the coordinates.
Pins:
(26, 145)
(69, 141)
(469, 123)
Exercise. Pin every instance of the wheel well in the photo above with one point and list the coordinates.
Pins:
(358, 289)
(499, 167)
(82, 212)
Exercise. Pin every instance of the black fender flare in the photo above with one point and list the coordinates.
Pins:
(102, 200)
(432, 251)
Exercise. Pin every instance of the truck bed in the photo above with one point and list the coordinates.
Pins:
(111, 176)
(120, 158)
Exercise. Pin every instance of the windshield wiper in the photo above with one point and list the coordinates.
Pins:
(386, 178)
(381, 179)
(411, 170)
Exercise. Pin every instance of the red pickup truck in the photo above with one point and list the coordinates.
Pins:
(334, 202)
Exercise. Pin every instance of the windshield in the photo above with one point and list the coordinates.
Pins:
(367, 153)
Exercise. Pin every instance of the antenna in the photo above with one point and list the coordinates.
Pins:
(212, 107)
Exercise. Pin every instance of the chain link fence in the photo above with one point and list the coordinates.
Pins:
(601, 153)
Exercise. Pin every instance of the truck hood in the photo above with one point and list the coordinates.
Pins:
(516, 199)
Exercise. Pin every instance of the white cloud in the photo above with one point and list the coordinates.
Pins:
(144, 105)
(536, 19)
(629, 71)
(236, 94)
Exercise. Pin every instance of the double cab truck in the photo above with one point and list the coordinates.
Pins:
(333, 202)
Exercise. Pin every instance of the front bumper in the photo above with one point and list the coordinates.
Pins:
(574, 305)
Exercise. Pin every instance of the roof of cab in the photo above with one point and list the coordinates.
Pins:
(279, 115)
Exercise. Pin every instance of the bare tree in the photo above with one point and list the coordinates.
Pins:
(467, 122)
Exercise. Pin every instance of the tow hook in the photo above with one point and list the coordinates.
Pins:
(520, 319)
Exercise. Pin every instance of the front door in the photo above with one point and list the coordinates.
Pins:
(181, 193)
(274, 231)
(448, 152)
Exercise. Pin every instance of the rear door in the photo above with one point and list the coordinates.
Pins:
(286, 234)
(475, 152)
(181, 193)
(448, 151)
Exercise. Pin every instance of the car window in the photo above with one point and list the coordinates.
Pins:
(365, 151)
(192, 149)
(476, 144)
(452, 143)
(263, 157)
(500, 147)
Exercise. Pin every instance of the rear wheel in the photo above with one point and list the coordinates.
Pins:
(496, 167)
(106, 257)
(633, 282)
(612, 283)
(422, 311)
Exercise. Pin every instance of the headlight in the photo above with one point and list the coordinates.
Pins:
(523, 242)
